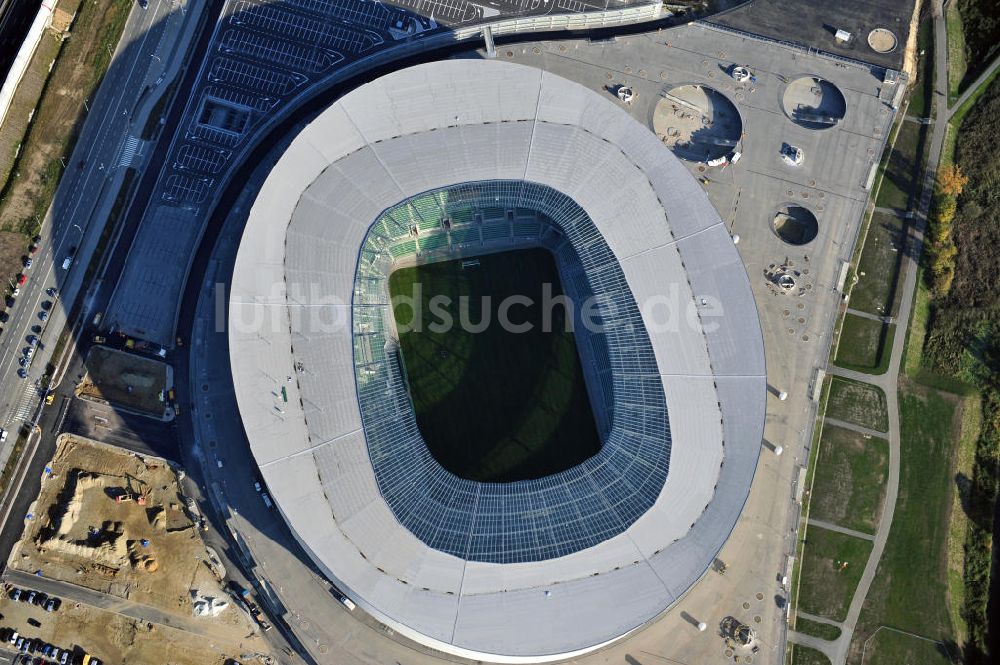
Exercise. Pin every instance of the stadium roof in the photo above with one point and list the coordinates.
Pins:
(292, 333)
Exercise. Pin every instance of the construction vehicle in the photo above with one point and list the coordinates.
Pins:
(145, 347)
(49, 399)
(243, 596)
(124, 496)
(127, 493)
(100, 339)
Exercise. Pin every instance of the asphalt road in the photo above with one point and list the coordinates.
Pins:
(76, 594)
(140, 434)
(91, 168)
(91, 173)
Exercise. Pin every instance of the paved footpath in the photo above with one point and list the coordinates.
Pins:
(830, 526)
(837, 650)
(843, 424)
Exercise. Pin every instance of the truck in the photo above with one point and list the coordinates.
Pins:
(342, 598)
(243, 596)
(145, 347)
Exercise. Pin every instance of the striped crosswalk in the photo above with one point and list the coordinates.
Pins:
(128, 151)
(26, 406)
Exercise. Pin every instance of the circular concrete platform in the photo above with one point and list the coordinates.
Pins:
(882, 40)
(697, 123)
(814, 103)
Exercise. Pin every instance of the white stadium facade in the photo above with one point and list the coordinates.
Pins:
(465, 157)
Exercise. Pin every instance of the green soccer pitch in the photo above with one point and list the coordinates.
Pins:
(496, 405)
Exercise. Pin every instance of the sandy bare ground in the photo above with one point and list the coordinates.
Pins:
(146, 549)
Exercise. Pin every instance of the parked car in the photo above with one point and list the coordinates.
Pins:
(43, 315)
(31, 597)
(15, 595)
(51, 292)
(52, 605)
(28, 262)
(22, 373)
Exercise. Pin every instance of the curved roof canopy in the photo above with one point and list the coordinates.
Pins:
(297, 316)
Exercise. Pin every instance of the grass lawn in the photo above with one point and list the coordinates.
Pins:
(924, 89)
(958, 525)
(494, 405)
(914, 349)
(77, 72)
(893, 648)
(818, 629)
(877, 272)
(961, 111)
(827, 585)
(864, 344)
(858, 403)
(849, 487)
(801, 655)
(957, 65)
(910, 588)
(901, 170)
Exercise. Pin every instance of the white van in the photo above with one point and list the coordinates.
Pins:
(344, 600)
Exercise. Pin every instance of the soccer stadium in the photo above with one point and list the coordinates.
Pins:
(504, 496)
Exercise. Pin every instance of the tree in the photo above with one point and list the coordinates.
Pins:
(945, 207)
(951, 180)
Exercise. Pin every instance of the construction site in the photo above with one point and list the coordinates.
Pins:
(113, 535)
